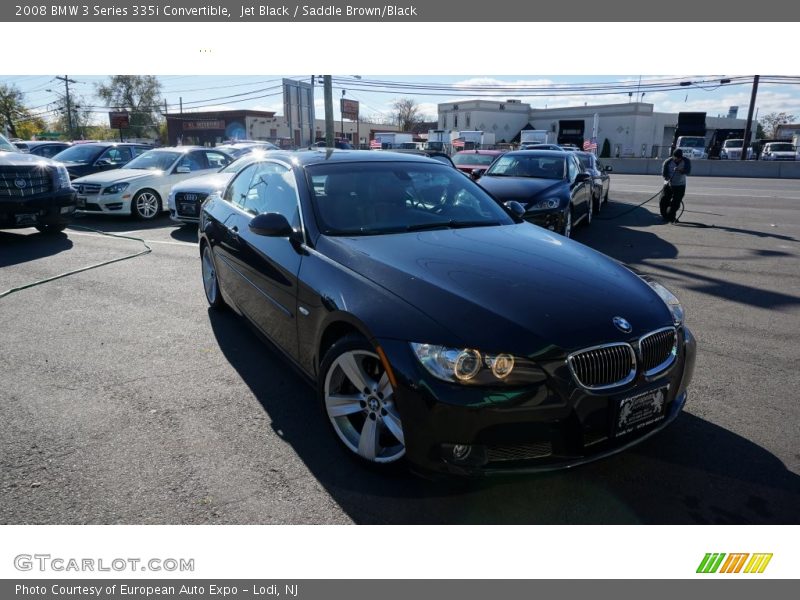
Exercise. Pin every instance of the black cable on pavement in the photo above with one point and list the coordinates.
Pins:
(26, 286)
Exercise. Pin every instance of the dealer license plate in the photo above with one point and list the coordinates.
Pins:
(188, 209)
(640, 411)
(81, 202)
(26, 219)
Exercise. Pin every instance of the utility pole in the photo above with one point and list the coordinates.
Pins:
(328, 85)
(747, 128)
(180, 100)
(311, 115)
(342, 114)
(67, 81)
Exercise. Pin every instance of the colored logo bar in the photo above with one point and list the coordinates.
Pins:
(737, 562)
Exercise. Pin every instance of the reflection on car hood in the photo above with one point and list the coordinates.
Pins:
(204, 183)
(522, 189)
(116, 175)
(535, 289)
(18, 159)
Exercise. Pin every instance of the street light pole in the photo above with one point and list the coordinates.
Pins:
(341, 114)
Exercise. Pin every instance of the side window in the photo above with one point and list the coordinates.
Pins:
(194, 160)
(273, 190)
(572, 168)
(117, 155)
(216, 160)
(239, 188)
(137, 150)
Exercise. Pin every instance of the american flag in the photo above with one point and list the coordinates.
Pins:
(458, 143)
(589, 145)
(375, 145)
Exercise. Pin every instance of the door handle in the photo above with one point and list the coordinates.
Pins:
(235, 232)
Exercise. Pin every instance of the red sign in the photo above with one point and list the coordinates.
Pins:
(349, 109)
(203, 124)
(119, 120)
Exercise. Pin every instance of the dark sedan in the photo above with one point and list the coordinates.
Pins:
(87, 159)
(601, 180)
(551, 186)
(41, 148)
(438, 327)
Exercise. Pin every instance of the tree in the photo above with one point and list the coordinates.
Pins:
(31, 126)
(771, 121)
(407, 113)
(81, 117)
(12, 108)
(140, 95)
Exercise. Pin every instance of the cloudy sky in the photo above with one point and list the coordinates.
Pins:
(376, 93)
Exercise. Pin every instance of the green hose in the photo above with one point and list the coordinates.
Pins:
(147, 250)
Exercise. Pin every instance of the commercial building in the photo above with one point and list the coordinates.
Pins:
(632, 129)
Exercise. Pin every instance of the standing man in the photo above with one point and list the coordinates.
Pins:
(674, 172)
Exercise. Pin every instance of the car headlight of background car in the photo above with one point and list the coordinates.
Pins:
(547, 204)
(469, 366)
(61, 178)
(116, 188)
(670, 300)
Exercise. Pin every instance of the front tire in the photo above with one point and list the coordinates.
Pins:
(50, 229)
(146, 205)
(567, 231)
(358, 401)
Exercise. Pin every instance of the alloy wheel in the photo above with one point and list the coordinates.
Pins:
(210, 277)
(145, 205)
(360, 403)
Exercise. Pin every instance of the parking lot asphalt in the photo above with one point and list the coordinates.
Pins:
(123, 399)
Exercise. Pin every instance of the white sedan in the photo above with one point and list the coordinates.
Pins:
(141, 187)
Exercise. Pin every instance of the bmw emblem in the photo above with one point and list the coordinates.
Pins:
(622, 324)
(20, 183)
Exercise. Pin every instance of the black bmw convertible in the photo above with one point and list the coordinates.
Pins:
(438, 326)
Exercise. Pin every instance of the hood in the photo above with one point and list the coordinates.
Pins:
(521, 189)
(113, 176)
(204, 183)
(18, 159)
(538, 291)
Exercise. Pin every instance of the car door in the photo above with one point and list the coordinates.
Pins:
(271, 264)
(580, 188)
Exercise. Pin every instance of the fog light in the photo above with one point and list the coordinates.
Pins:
(461, 451)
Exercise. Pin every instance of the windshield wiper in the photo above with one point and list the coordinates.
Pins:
(451, 224)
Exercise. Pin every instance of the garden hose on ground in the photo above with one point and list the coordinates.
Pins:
(147, 250)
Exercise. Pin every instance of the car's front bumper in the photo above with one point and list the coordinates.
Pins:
(552, 425)
(553, 219)
(110, 204)
(53, 208)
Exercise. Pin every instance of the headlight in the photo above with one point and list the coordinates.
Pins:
(116, 188)
(546, 204)
(672, 302)
(471, 366)
(61, 179)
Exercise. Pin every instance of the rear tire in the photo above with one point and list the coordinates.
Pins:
(567, 231)
(210, 280)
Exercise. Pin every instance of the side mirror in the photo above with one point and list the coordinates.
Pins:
(477, 174)
(515, 207)
(581, 177)
(103, 162)
(271, 225)
(183, 169)
(608, 168)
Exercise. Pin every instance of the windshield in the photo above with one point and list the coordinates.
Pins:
(154, 160)
(781, 148)
(692, 142)
(80, 154)
(473, 158)
(237, 164)
(521, 165)
(397, 197)
(733, 143)
(6, 146)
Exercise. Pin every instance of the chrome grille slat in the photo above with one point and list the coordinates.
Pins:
(35, 180)
(605, 366)
(659, 350)
(89, 189)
